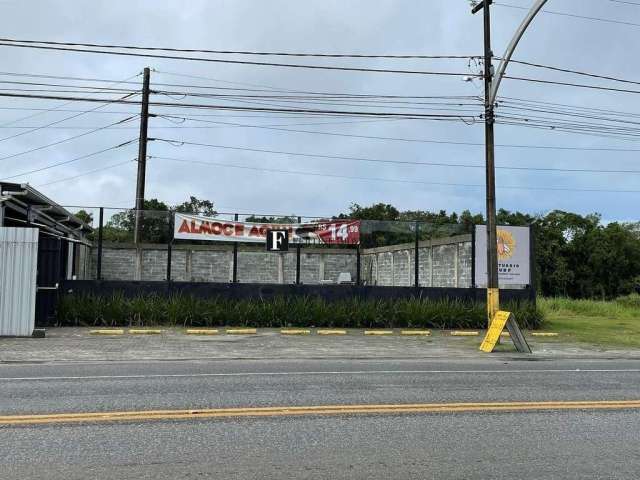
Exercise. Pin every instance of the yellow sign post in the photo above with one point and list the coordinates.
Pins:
(500, 320)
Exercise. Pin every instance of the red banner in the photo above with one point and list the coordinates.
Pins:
(332, 232)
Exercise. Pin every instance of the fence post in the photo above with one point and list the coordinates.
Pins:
(235, 257)
(169, 246)
(298, 248)
(533, 277)
(416, 258)
(473, 256)
(358, 265)
(99, 262)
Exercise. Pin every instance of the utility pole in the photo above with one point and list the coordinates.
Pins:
(142, 154)
(493, 290)
(490, 95)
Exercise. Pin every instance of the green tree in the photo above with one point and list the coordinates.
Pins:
(196, 206)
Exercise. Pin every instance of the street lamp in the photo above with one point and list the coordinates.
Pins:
(490, 94)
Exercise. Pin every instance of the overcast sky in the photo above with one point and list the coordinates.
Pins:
(438, 27)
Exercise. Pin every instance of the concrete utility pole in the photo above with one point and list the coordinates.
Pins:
(490, 95)
(142, 154)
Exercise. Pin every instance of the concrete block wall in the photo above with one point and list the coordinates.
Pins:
(444, 262)
(197, 263)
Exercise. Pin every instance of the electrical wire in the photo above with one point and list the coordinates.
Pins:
(464, 118)
(412, 140)
(12, 122)
(572, 15)
(390, 180)
(35, 129)
(84, 174)
(47, 46)
(575, 72)
(395, 162)
(244, 52)
(14, 155)
(76, 159)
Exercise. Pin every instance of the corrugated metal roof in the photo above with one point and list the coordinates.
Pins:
(18, 272)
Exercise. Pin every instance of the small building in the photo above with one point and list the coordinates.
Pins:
(32, 225)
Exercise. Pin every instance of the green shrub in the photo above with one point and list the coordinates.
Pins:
(355, 312)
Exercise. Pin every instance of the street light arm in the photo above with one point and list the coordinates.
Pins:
(511, 48)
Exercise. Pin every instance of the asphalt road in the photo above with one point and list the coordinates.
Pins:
(526, 444)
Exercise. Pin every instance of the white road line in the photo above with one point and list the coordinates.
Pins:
(353, 372)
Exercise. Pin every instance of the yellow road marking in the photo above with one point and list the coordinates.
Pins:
(201, 331)
(241, 331)
(144, 331)
(109, 331)
(316, 410)
(378, 332)
(425, 333)
(294, 331)
(331, 332)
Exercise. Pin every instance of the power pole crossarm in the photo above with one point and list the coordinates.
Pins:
(142, 154)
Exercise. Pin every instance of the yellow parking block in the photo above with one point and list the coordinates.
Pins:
(378, 332)
(294, 331)
(417, 333)
(144, 331)
(464, 333)
(107, 331)
(505, 334)
(544, 334)
(331, 332)
(201, 331)
(241, 331)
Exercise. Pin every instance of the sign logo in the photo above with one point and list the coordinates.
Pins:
(277, 240)
(506, 245)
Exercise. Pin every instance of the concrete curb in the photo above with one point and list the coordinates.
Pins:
(464, 333)
(416, 333)
(378, 333)
(117, 331)
(201, 331)
(295, 331)
(544, 334)
(241, 331)
(331, 332)
(144, 331)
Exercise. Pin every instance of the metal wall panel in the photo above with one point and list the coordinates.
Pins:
(18, 271)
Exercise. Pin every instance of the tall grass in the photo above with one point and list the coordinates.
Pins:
(187, 310)
(628, 305)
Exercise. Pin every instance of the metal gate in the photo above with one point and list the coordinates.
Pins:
(18, 261)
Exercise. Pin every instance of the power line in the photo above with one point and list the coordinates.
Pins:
(35, 129)
(391, 180)
(463, 118)
(244, 52)
(575, 72)
(59, 106)
(571, 84)
(625, 2)
(414, 140)
(237, 62)
(573, 15)
(396, 162)
(76, 159)
(108, 167)
(14, 155)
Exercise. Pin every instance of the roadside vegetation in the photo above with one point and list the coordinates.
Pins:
(605, 323)
(188, 311)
